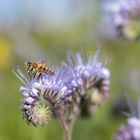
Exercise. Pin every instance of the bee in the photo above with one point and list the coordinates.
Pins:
(34, 68)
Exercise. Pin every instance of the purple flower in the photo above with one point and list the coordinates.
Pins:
(62, 92)
(121, 15)
(131, 129)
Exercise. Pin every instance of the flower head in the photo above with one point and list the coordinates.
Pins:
(130, 130)
(62, 92)
(123, 16)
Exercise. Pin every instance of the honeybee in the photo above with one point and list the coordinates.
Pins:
(35, 68)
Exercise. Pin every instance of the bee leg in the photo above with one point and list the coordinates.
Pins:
(30, 75)
(34, 74)
(39, 76)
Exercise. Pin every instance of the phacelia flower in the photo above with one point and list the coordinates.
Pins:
(124, 15)
(130, 130)
(62, 92)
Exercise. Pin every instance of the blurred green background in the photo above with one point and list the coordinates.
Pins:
(27, 34)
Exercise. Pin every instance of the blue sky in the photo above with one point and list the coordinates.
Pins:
(58, 11)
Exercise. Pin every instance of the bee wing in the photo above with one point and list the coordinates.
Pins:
(43, 62)
(47, 63)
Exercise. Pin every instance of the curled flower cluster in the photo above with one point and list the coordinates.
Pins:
(123, 14)
(62, 92)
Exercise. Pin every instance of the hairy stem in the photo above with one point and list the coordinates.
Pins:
(67, 124)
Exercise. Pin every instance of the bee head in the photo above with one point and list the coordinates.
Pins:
(28, 64)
